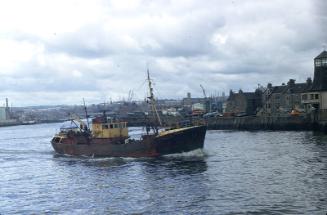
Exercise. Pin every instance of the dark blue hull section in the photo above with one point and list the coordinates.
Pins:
(182, 141)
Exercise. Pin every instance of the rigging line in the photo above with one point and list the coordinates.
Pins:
(157, 92)
(141, 85)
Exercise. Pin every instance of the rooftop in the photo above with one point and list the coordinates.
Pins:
(322, 55)
(294, 88)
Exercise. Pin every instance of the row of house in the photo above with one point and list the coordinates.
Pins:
(290, 98)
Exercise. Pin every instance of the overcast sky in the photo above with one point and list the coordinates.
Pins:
(57, 52)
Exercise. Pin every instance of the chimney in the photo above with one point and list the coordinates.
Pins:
(291, 83)
(309, 81)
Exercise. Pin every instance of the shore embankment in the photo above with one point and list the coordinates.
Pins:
(281, 123)
(251, 123)
(9, 123)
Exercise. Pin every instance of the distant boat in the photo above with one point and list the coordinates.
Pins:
(109, 138)
(30, 122)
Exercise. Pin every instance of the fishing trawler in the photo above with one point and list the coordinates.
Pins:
(109, 137)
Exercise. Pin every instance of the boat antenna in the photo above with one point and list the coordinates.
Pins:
(152, 100)
(86, 115)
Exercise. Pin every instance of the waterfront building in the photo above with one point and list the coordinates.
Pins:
(242, 103)
(198, 108)
(211, 104)
(283, 99)
(189, 101)
(315, 98)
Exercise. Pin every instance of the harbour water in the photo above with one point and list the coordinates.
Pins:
(238, 172)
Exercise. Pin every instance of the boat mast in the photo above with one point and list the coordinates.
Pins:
(86, 115)
(152, 100)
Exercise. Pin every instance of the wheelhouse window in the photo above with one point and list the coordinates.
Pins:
(316, 96)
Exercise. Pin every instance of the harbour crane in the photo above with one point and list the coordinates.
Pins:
(206, 98)
(203, 90)
(130, 96)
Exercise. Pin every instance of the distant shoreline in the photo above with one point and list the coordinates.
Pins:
(245, 123)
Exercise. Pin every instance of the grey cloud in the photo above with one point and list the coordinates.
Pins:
(321, 17)
(35, 84)
(89, 42)
(265, 42)
(189, 36)
(193, 37)
(33, 77)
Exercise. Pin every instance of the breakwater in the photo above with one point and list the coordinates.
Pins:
(9, 123)
(276, 123)
(283, 123)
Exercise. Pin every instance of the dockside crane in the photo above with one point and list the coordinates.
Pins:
(204, 92)
(206, 98)
(130, 96)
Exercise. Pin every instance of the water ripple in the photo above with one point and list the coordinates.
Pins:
(236, 173)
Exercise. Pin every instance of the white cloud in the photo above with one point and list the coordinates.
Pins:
(54, 51)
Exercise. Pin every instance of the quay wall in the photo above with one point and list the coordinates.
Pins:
(282, 123)
(9, 123)
(288, 123)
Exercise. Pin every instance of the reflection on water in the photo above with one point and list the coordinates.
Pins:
(140, 177)
(236, 173)
(185, 164)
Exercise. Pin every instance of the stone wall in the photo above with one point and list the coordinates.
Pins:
(261, 123)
